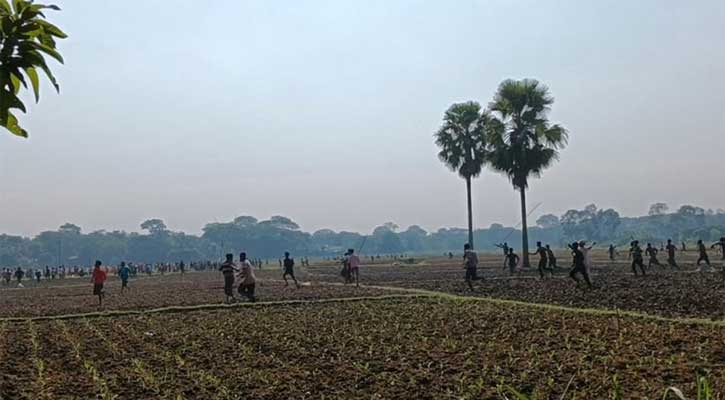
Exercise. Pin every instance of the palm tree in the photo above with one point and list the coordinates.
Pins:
(523, 143)
(462, 139)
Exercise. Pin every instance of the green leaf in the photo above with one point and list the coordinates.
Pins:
(15, 82)
(51, 29)
(9, 100)
(10, 122)
(34, 81)
(5, 7)
(44, 48)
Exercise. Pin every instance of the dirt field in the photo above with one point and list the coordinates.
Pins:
(409, 332)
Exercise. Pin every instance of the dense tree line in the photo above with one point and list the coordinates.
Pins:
(269, 238)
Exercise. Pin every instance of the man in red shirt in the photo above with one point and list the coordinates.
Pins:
(98, 277)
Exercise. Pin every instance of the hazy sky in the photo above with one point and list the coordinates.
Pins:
(196, 111)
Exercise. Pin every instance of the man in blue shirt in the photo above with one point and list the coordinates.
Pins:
(124, 272)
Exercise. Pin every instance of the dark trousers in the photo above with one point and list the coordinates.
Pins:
(705, 258)
(544, 266)
(229, 285)
(580, 269)
(672, 263)
(247, 290)
(637, 262)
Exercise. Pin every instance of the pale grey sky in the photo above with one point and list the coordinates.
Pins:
(324, 111)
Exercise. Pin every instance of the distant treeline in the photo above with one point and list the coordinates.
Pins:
(270, 238)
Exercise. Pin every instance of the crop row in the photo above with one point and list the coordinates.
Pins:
(407, 348)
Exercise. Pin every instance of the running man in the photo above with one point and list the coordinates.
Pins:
(671, 248)
(19, 273)
(227, 269)
(7, 276)
(652, 251)
(636, 253)
(721, 244)
(289, 265)
(505, 247)
(587, 255)
(512, 260)
(470, 263)
(612, 252)
(578, 266)
(247, 280)
(543, 260)
(124, 272)
(353, 263)
(552, 259)
(703, 254)
(98, 278)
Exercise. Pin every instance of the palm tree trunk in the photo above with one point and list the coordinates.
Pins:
(470, 212)
(524, 230)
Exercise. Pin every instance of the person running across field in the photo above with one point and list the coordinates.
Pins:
(247, 280)
(721, 244)
(289, 265)
(353, 263)
(637, 261)
(7, 276)
(578, 265)
(671, 248)
(587, 251)
(505, 247)
(19, 273)
(651, 252)
(702, 250)
(227, 269)
(470, 263)
(124, 272)
(543, 260)
(612, 252)
(552, 259)
(511, 260)
(98, 278)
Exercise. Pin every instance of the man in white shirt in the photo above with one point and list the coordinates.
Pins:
(247, 280)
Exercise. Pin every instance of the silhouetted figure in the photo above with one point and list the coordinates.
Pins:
(512, 260)
(651, 252)
(552, 259)
(702, 254)
(612, 252)
(543, 259)
(721, 244)
(470, 263)
(671, 248)
(505, 247)
(289, 270)
(637, 261)
(578, 265)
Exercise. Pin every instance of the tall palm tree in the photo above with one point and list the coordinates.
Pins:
(523, 142)
(462, 139)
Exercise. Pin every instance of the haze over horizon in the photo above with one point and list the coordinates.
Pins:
(325, 111)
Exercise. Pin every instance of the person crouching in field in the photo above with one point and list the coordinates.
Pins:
(124, 272)
(227, 269)
(470, 263)
(289, 269)
(247, 280)
(98, 278)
